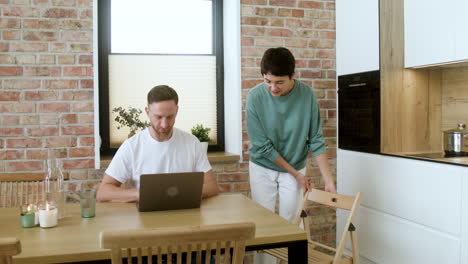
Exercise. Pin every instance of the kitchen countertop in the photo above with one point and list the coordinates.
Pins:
(462, 161)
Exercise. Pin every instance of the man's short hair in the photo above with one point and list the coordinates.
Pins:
(162, 93)
(278, 61)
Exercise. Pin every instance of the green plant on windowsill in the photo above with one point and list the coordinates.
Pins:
(130, 117)
(201, 133)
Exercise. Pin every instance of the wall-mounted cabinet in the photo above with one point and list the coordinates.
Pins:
(357, 36)
(435, 32)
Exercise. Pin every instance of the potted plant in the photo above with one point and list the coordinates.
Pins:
(201, 133)
(130, 117)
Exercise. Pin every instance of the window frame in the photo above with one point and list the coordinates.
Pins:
(104, 48)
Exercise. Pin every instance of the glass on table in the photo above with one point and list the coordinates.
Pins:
(29, 215)
(88, 203)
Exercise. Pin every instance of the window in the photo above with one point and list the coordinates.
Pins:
(152, 42)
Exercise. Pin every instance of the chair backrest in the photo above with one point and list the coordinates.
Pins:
(345, 202)
(9, 247)
(20, 188)
(176, 240)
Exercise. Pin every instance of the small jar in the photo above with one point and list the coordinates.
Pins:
(48, 214)
(29, 215)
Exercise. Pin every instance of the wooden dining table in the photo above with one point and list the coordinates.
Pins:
(76, 239)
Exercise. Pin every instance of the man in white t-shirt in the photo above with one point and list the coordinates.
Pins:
(160, 148)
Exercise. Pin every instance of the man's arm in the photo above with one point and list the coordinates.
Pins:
(327, 176)
(300, 178)
(210, 185)
(110, 191)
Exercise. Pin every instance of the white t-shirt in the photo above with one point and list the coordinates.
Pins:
(142, 154)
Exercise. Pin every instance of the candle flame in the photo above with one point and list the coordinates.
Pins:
(47, 206)
(29, 208)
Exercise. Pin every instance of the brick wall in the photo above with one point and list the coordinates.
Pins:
(46, 83)
(307, 28)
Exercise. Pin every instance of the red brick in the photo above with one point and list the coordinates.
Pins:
(327, 35)
(76, 36)
(77, 95)
(4, 47)
(254, 2)
(81, 47)
(268, 42)
(40, 154)
(327, 132)
(51, 119)
(233, 177)
(310, 4)
(24, 143)
(42, 131)
(10, 71)
(29, 119)
(58, 47)
(78, 164)
(323, 24)
(86, 141)
(327, 104)
(9, 23)
(10, 120)
(241, 187)
(85, 59)
(40, 24)
(263, 11)
(252, 31)
(83, 107)
(66, 59)
(17, 107)
(5, 59)
(60, 13)
(84, 3)
(311, 74)
(247, 41)
(225, 187)
(54, 107)
(2, 143)
(331, 94)
(42, 71)
(297, 43)
(46, 59)
(331, 113)
(276, 22)
(78, 130)
(14, 154)
(314, 64)
(25, 59)
(41, 96)
(11, 132)
(76, 24)
(86, 14)
(285, 12)
(61, 84)
(331, 74)
(279, 32)
(326, 54)
(11, 34)
(250, 83)
(40, 35)
(298, 13)
(63, 2)
(81, 152)
(28, 47)
(77, 71)
(291, 3)
(68, 118)
(328, 64)
(54, 142)
(9, 96)
(24, 165)
(86, 118)
(21, 84)
(87, 84)
(258, 21)
(20, 11)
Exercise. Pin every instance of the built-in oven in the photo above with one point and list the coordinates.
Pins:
(359, 112)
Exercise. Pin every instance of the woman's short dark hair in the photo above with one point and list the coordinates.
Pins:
(278, 61)
(162, 93)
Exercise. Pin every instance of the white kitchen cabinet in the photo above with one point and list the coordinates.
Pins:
(461, 28)
(435, 31)
(412, 211)
(357, 36)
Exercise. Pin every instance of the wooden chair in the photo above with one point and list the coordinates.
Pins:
(350, 203)
(9, 247)
(175, 241)
(20, 188)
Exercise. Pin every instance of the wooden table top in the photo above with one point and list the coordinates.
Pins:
(77, 239)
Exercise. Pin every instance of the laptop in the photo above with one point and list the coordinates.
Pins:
(170, 191)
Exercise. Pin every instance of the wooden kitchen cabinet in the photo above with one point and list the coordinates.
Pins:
(357, 36)
(412, 211)
(435, 32)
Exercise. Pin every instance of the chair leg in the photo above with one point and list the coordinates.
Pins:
(354, 245)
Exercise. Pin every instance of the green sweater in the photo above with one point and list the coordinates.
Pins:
(287, 125)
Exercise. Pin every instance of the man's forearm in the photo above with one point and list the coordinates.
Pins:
(112, 193)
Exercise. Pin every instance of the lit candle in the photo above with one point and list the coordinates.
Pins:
(48, 216)
(29, 215)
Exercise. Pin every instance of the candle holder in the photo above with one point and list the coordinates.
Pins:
(48, 214)
(29, 215)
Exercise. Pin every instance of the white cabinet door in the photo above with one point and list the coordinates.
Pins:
(357, 36)
(429, 31)
(464, 221)
(461, 28)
